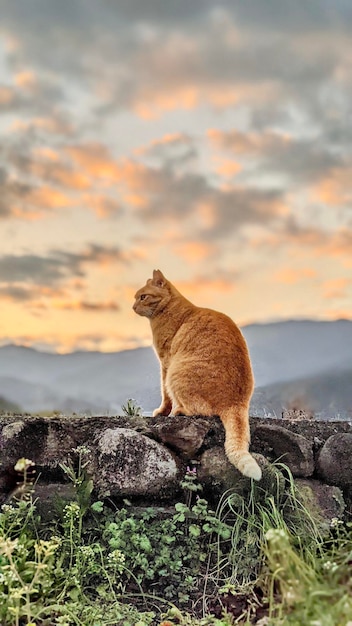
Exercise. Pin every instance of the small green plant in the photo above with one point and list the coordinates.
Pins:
(190, 484)
(78, 475)
(131, 409)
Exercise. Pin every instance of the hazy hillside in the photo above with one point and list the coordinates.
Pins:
(328, 395)
(295, 360)
(296, 349)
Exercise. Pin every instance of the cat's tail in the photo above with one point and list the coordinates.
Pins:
(236, 424)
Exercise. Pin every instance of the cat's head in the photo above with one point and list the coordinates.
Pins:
(153, 297)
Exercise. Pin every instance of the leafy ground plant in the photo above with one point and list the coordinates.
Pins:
(49, 581)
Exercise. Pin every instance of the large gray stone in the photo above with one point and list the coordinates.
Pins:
(183, 434)
(44, 441)
(217, 474)
(325, 503)
(51, 498)
(290, 448)
(334, 463)
(125, 462)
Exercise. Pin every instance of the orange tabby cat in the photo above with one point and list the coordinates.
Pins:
(205, 366)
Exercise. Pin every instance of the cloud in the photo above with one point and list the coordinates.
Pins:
(11, 191)
(164, 58)
(47, 165)
(83, 305)
(333, 189)
(163, 192)
(7, 98)
(17, 292)
(290, 234)
(57, 265)
(291, 276)
(54, 125)
(171, 150)
(303, 161)
(55, 181)
(103, 205)
(336, 288)
(194, 251)
(201, 285)
(95, 159)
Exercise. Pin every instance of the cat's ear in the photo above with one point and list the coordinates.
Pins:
(158, 279)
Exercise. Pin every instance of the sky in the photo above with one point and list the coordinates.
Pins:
(211, 140)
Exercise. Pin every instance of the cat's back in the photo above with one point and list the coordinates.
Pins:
(211, 329)
(209, 344)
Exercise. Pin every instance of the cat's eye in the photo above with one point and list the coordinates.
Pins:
(143, 296)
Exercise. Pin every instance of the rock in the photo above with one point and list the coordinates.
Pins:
(42, 440)
(288, 447)
(11, 430)
(325, 503)
(128, 463)
(183, 434)
(334, 463)
(297, 414)
(217, 474)
(50, 499)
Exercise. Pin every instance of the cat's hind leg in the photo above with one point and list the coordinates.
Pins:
(179, 411)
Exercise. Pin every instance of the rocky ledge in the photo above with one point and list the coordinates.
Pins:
(145, 459)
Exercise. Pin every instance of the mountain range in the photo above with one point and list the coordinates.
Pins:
(297, 364)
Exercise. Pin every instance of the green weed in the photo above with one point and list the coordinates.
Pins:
(132, 409)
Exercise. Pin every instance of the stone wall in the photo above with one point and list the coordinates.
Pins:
(144, 459)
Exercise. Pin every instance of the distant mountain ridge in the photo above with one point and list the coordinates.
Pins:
(293, 361)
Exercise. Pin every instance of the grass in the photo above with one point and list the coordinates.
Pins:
(255, 559)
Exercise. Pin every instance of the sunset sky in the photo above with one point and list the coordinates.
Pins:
(212, 140)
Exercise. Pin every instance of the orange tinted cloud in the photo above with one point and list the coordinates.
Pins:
(336, 288)
(84, 305)
(25, 79)
(151, 104)
(318, 242)
(52, 125)
(37, 202)
(20, 292)
(291, 276)
(339, 314)
(165, 140)
(7, 96)
(201, 285)
(334, 190)
(247, 143)
(48, 198)
(194, 251)
(102, 205)
(227, 168)
(51, 169)
(97, 162)
(46, 153)
(338, 244)
(95, 159)
(155, 104)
